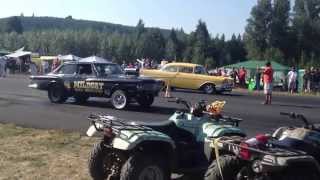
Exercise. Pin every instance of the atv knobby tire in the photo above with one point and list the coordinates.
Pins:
(102, 161)
(56, 93)
(300, 173)
(141, 166)
(230, 167)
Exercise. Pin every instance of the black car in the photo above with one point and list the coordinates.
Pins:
(82, 80)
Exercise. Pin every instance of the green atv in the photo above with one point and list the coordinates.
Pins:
(153, 151)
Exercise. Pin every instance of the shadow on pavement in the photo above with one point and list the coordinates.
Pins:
(295, 106)
(132, 107)
(199, 92)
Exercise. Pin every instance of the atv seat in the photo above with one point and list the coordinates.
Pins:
(155, 125)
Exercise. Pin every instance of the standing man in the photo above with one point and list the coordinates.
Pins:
(242, 77)
(292, 80)
(267, 82)
(234, 75)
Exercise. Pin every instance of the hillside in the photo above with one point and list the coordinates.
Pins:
(45, 23)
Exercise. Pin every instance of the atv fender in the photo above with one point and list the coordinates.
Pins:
(219, 130)
(128, 140)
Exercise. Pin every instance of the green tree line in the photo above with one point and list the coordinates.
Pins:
(276, 30)
(285, 32)
(198, 47)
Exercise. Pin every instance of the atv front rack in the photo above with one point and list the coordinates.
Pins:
(233, 144)
(117, 124)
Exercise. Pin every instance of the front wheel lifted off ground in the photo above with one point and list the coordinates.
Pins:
(119, 99)
(56, 93)
(145, 167)
(230, 167)
(104, 164)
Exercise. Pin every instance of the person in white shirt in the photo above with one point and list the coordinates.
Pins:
(292, 80)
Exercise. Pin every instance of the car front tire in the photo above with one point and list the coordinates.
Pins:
(56, 94)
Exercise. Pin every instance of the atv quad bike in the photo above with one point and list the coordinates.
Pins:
(153, 151)
(289, 154)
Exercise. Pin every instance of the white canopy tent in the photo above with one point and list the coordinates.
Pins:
(18, 54)
(69, 57)
(94, 59)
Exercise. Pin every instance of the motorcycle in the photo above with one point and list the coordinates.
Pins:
(132, 150)
(290, 153)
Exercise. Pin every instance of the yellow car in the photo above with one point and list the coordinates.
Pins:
(190, 76)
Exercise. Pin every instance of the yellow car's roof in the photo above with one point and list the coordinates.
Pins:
(182, 64)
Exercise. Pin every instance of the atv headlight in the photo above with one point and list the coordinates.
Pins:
(257, 166)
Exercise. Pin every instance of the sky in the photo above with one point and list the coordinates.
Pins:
(221, 16)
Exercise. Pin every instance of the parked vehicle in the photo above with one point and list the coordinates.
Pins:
(152, 151)
(291, 153)
(190, 76)
(82, 80)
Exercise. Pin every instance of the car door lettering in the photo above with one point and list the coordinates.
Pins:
(88, 86)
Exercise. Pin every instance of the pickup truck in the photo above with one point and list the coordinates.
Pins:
(82, 80)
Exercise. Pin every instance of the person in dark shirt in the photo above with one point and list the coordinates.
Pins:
(234, 75)
(312, 79)
(317, 77)
(258, 78)
(306, 81)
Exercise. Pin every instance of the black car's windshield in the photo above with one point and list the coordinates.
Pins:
(108, 69)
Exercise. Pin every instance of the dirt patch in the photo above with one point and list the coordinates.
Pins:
(43, 154)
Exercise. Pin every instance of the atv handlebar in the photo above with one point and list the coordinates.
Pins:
(301, 117)
(182, 101)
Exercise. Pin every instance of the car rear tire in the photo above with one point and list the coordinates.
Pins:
(56, 93)
(119, 99)
(145, 167)
(208, 89)
(145, 101)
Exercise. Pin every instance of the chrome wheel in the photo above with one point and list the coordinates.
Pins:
(119, 99)
(151, 173)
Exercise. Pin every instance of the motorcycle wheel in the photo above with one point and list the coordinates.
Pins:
(104, 163)
(145, 167)
(230, 167)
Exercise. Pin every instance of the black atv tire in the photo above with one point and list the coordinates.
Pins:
(119, 99)
(96, 164)
(230, 167)
(139, 164)
(56, 93)
(145, 101)
(81, 99)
